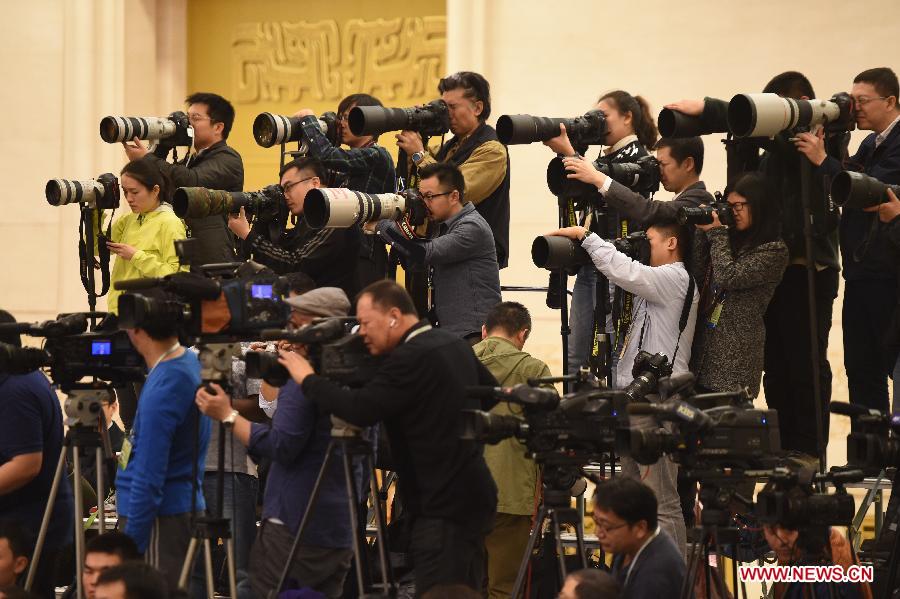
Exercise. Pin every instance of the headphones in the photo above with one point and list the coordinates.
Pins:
(393, 323)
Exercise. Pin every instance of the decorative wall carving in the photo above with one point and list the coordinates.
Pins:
(327, 60)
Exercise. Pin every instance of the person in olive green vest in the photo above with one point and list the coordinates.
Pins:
(503, 336)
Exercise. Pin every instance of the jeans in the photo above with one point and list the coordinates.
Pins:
(581, 320)
(896, 406)
(868, 306)
(239, 505)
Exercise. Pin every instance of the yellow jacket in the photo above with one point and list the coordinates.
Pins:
(153, 234)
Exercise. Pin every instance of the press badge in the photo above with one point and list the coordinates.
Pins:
(714, 316)
(125, 454)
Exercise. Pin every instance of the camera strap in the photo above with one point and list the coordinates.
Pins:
(682, 321)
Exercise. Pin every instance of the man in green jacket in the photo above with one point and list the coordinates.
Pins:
(503, 336)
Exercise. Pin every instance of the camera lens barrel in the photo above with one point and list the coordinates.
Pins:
(673, 123)
(431, 119)
(850, 189)
(695, 216)
(60, 192)
(557, 253)
(115, 129)
(515, 129)
(271, 129)
(200, 202)
(342, 208)
(767, 115)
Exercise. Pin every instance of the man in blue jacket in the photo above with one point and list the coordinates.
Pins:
(158, 460)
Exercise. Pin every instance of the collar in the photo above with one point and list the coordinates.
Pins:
(887, 131)
(466, 209)
(638, 554)
(698, 185)
(415, 330)
(163, 207)
(620, 144)
(221, 142)
(458, 141)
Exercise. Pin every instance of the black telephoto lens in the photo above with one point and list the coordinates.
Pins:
(850, 189)
(557, 253)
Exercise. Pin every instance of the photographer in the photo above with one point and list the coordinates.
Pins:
(31, 439)
(327, 255)
(870, 272)
(504, 333)
(645, 560)
(418, 393)
(630, 131)
(154, 486)
(738, 268)
(213, 164)
(475, 149)
(296, 442)
(465, 276)
(365, 167)
(664, 293)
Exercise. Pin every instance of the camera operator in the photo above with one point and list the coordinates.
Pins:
(154, 486)
(680, 164)
(645, 560)
(419, 391)
(365, 167)
(589, 583)
(296, 442)
(870, 272)
(663, 290)
(31, 439)
(631, 131)
(327, 255)
(212, 163)
(504, 333)
(465, 276)
(475, 149)
(738, 268)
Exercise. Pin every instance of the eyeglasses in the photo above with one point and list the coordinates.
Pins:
(430, 196)
(290, 185)
(196, 118)
(863, 100)
(737, 206)
(606, 528)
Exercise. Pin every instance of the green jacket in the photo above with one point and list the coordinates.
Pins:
(515, 474)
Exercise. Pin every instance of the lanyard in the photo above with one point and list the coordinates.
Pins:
(638, 554)
(417, 332)
(165, 355)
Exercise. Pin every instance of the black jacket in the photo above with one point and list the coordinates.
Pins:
(642, 210)
(329, 256)
(616, 221)
(658, 572)
(865, 249)
(217, 167)
(419, 393)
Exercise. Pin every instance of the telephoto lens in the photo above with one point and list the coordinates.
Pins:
(673, 124)
(555, 252)
(585, 130)
(200, 202)
(767, 115)
(431, 119)
(116, 129)
(850, 189)
(272, 129)
(342, 208)
(102, 192)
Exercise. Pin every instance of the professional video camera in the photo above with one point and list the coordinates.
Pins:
(767, 115)
(688, 215)
(271, 129)
(430, 119)
(789, 498)
(333, 351)
(176, 129)
(850, 189)
(641, 176)
(71, 352)
(341, 208)
(200, 202)
(589, 129)
(874, 443)
(223, 304)
(673, 123)
(101, 193)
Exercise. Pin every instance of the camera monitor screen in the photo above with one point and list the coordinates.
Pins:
(101, 348)
(261, 291)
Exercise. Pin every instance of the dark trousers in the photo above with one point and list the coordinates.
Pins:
(168, 546)
(788, 380)
(868, 306)
(446, 553)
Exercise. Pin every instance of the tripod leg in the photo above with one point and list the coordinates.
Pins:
(529, 549)
(208, 569)
(101, 496)
(687, 588)
(79, 522)
(557, 537)
(189, 558)
(232, 576)
(387, 577)
(45, 523)
(352, 499)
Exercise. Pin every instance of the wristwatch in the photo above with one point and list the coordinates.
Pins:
(228, 421)
(417, 157)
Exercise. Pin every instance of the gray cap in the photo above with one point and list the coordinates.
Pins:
(323, 302)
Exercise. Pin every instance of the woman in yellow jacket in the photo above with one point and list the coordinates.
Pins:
(144, 241)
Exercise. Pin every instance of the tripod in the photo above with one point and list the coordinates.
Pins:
(84, 401)
(215, 366)
(556, 507)
(349, 441)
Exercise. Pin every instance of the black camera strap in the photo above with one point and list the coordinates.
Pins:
(682, 322)
(86, 241)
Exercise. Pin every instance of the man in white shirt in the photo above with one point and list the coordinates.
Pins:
(661, 290)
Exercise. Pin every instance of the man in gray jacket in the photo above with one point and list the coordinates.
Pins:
(465, 276)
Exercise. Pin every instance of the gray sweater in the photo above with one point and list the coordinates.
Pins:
(730, 354)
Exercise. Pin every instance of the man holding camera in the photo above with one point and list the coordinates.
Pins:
(663, 320)
(475, 149)
(418, 393)
(327, 255)
(296, 442)
(212, 164)
(365, 167)
(506, 328)
(870, 273)
(155, 485)
(463, 258)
